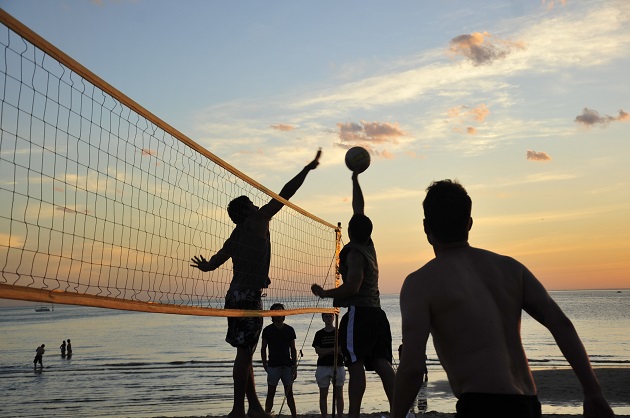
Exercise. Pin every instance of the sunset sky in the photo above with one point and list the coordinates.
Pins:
(526, 103)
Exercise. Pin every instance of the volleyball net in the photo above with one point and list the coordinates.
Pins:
(104, 204)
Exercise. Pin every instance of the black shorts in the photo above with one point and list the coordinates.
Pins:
(244, 332)
(492, 405)
(365, 335)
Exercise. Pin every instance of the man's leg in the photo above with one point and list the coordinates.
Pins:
(241, 376)
(323, 402)
(356, 388)
(339, 400)
(255, 409)
(384, 369)
(271, 393)
(288, 392)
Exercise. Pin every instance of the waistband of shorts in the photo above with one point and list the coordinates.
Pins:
(505, 396)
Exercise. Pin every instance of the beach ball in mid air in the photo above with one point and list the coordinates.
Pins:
(357, 159)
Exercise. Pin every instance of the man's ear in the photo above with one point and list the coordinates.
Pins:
(427, 231)
(470, 223)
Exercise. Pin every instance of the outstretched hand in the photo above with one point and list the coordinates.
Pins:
(313, 164)
(201, 263)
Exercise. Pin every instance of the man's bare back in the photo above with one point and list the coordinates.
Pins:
(470, 300)
(475, 308)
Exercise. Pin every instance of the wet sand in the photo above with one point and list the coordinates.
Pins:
(555, 387)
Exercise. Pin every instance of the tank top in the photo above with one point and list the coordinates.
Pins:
(368, 294)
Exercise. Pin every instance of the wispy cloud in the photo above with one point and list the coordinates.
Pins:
(283, 127)
(483, 48)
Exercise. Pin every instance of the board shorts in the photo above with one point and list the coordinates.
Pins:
(244, 332)
(38, 359)
(492, 405)
(324, 375)
(275, 374)
(365, 335)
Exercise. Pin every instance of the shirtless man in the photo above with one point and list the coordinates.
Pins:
(249, 246)
(471, 300)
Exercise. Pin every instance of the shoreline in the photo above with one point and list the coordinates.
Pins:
(557, 387)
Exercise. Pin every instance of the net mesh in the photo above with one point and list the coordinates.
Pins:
(103, 204)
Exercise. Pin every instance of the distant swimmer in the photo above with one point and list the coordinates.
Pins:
(39, 355)
(69, 348)
(62, 347)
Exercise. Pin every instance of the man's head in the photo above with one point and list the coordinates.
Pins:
(360, 228)
(240, 208)
(277, 307)
(328, 318)
(447, 209)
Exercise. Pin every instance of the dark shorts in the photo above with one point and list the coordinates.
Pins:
(244, 332)
(491, 405)
(38, 359)
(365, 335)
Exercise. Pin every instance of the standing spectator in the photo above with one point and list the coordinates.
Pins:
(324, 343)
(282, 364)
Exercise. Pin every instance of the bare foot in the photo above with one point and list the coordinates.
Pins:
(234, 414)
(259, 413)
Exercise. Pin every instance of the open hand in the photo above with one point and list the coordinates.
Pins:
(201, 263)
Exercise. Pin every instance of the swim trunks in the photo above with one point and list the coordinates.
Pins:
(365, 334)
(490, 405)
(244, 332)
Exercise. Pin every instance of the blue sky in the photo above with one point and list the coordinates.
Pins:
(525, 102)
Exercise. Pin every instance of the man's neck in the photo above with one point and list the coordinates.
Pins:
(441, 248)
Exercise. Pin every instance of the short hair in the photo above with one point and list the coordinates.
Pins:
(276, 307)
(447, 209)
(236, 209)
(360, 227)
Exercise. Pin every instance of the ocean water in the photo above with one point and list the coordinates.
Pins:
(130, 364)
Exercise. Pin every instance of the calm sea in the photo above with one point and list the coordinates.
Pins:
(128, 364)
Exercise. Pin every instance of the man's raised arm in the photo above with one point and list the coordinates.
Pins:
(358, 203)
(289, 189)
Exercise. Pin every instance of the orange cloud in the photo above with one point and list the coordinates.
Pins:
(283, 127)
(471, 130)
(538, 156)
(369, 132)
(480, 49)
(550, 4)
(146, 151)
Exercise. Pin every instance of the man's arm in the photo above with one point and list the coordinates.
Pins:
(220, 257)
(263, 353)
(358, 203)
(538, 304)
(294, 359)
(416, 325)
(289, 189)
(351, 286)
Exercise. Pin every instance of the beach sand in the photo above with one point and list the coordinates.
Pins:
(555, 387)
